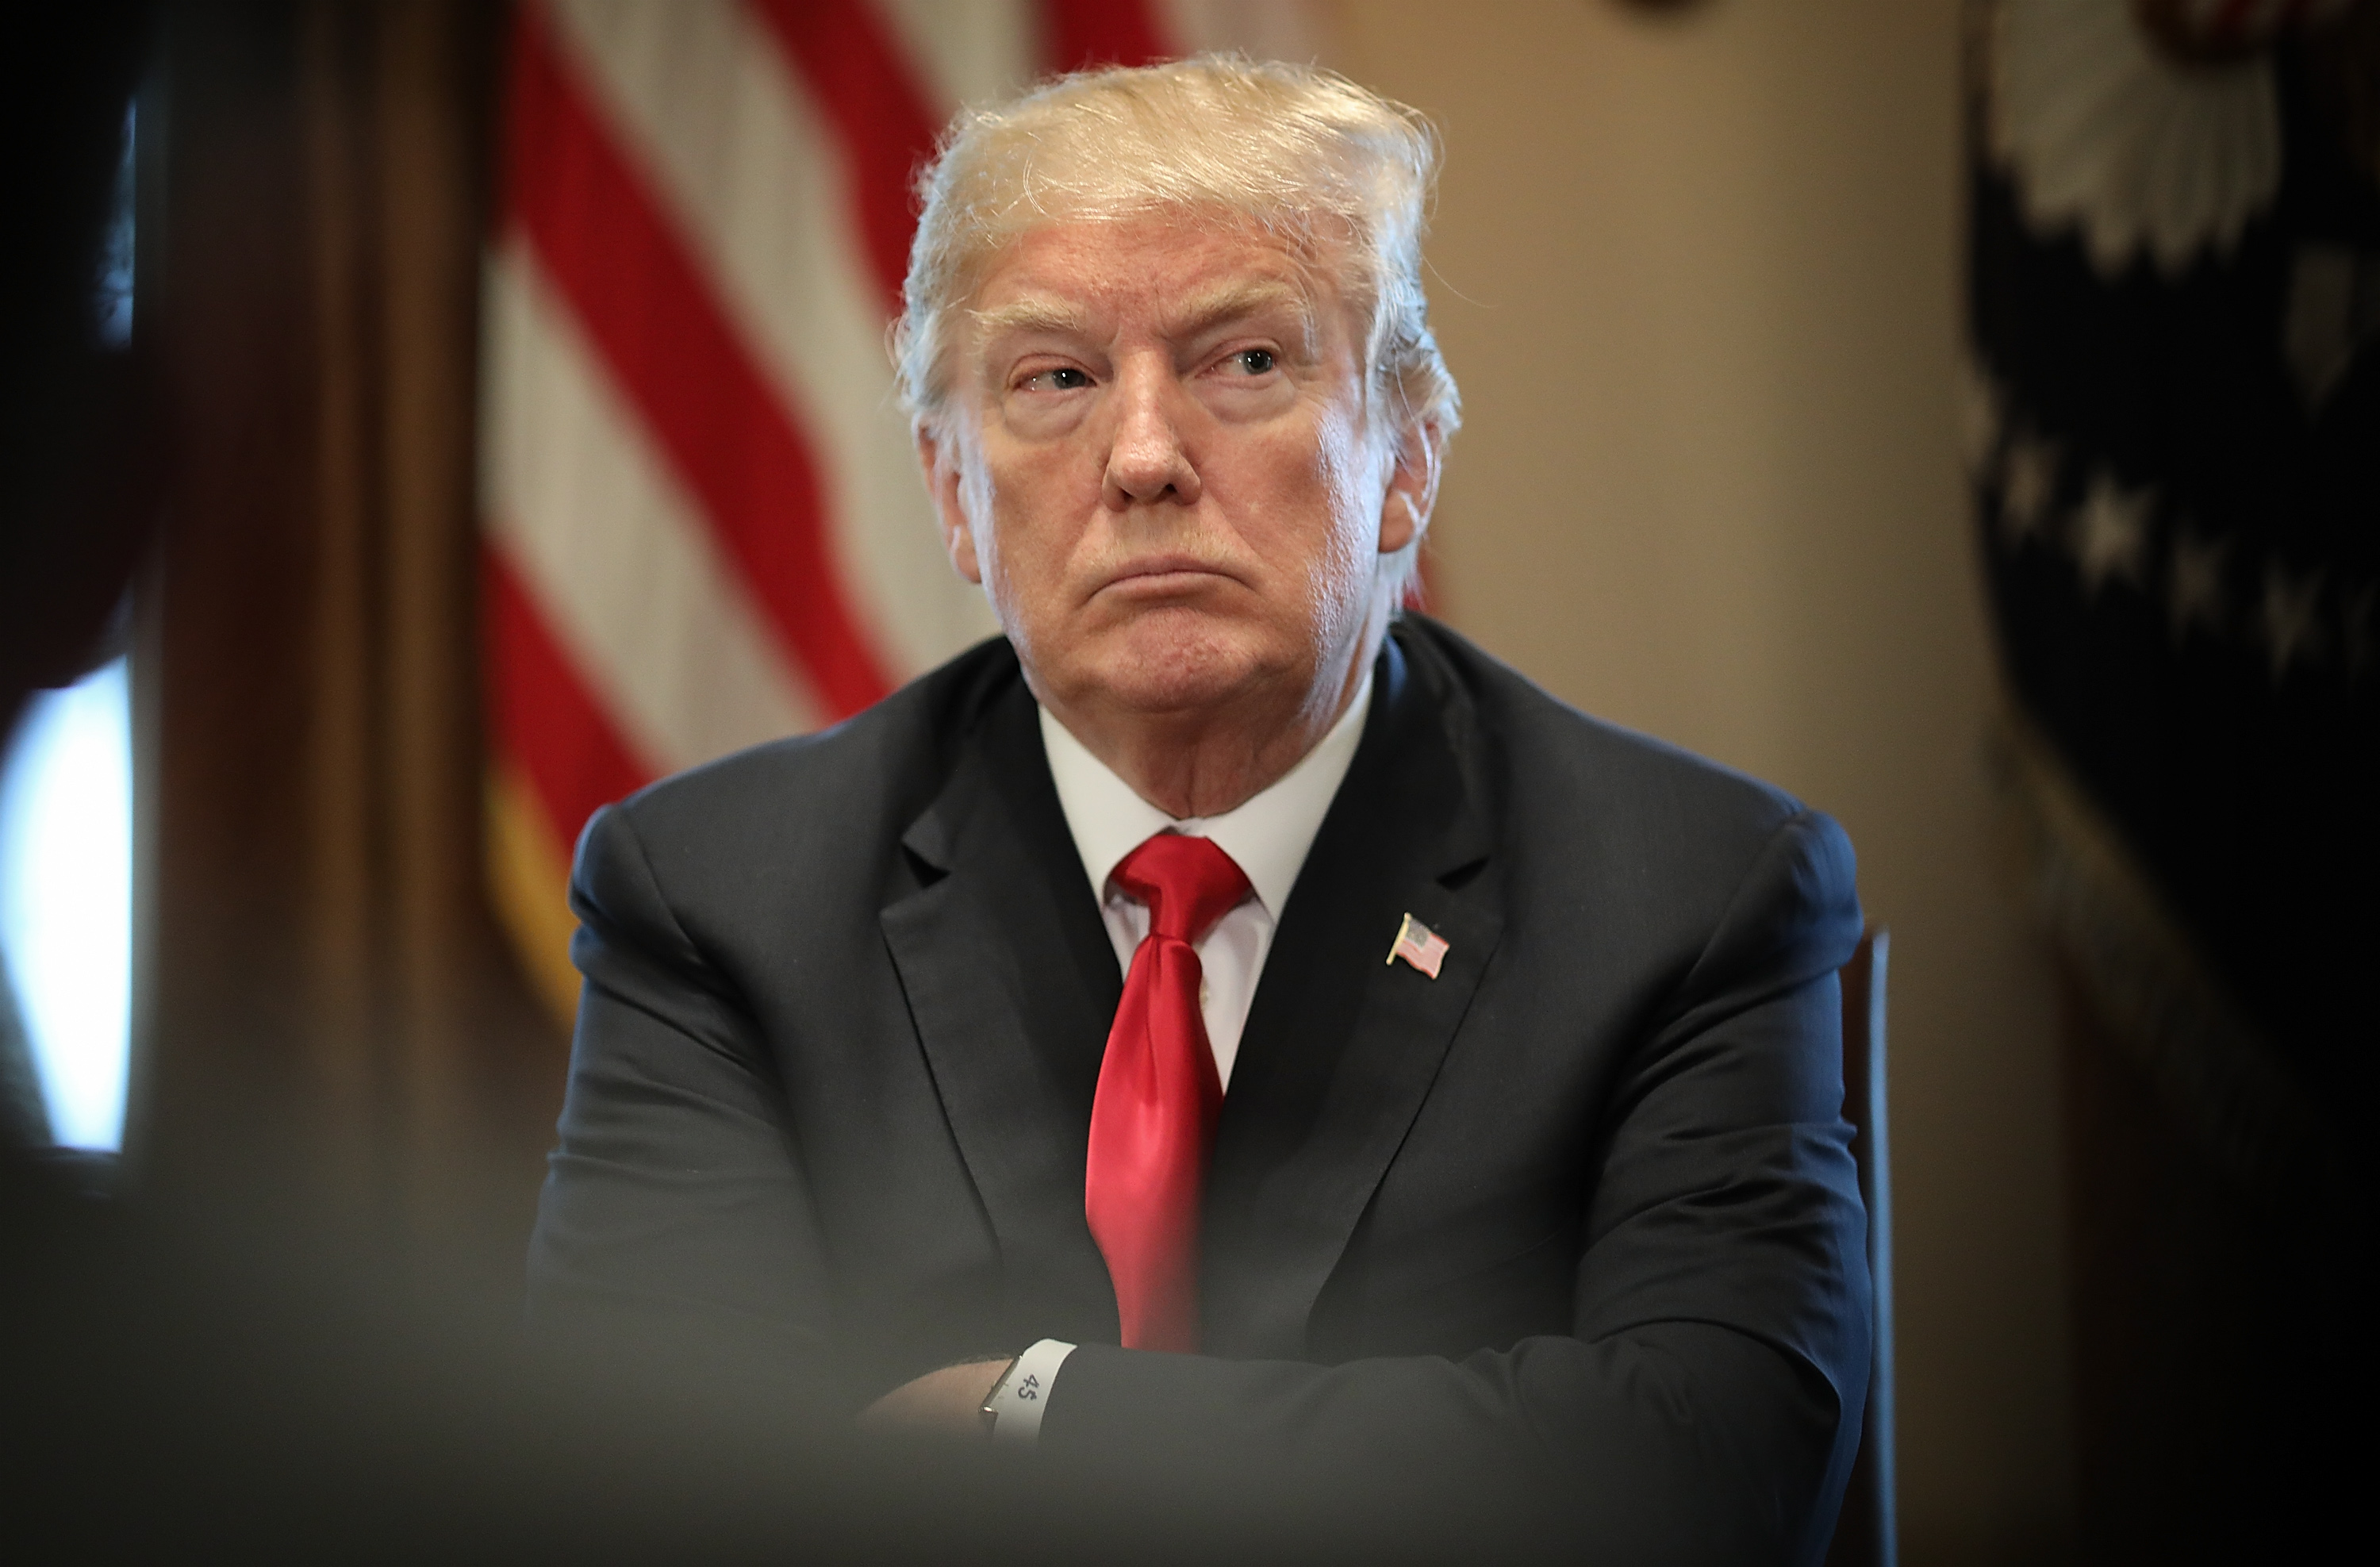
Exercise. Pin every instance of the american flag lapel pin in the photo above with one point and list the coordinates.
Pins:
(1419, 945)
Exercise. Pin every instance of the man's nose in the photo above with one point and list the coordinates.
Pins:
(1148, 461)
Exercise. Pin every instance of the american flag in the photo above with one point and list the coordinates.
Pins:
(1419, 945)
(704, 523)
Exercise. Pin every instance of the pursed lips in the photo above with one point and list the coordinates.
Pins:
(1156, 573)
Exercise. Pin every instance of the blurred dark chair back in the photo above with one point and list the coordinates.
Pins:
(1867, 1534)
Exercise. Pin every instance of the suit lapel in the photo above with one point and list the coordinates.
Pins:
(1012, 984)
(1341, 1047)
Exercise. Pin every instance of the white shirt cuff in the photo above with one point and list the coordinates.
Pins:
(1016, 1407)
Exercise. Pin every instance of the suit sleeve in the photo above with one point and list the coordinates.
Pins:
(1706, 1405)
(675, 1208)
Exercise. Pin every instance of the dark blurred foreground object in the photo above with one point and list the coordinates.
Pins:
(184, 1384)
(2174, 315)
(184, 1380)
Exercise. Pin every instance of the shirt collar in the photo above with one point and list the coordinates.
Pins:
(1268, 836)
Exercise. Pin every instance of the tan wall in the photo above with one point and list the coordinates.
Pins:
(1699, 279)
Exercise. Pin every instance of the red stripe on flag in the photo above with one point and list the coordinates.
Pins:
(883, 130)
(539, 712)
(1075, 33)
(646, 307)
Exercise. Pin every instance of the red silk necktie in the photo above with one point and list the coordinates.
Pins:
(1153, 1120)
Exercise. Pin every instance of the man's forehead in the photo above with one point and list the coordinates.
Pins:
(1176, 277)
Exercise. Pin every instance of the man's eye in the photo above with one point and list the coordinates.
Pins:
(1254, 361)
(1066, 379)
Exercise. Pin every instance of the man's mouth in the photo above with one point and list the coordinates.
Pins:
(1160, 573)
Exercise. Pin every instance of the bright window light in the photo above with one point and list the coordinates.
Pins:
(65, 899)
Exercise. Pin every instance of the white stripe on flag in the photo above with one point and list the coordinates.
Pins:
(661, 629)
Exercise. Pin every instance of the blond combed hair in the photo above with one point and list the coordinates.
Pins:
(1301, 151)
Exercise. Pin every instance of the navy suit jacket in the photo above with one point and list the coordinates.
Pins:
(1583, 1201)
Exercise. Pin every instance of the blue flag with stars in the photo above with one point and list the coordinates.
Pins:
(2175, 448)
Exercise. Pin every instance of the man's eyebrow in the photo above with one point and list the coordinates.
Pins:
(1202, 312)
(1032, 315)
(1231, 301)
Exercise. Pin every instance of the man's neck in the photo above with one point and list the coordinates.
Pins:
(1205, 764)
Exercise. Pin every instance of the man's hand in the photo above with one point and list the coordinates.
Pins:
(946, 1402)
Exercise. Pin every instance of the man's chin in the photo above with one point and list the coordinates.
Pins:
(1179, 675)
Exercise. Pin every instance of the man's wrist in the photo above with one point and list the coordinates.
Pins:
(1012, 1409)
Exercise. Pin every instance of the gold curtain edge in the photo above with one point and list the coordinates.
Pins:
(528, 880)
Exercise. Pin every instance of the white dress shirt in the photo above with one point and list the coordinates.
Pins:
(1267, 837)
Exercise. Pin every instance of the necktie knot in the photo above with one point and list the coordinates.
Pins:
(1187, 884)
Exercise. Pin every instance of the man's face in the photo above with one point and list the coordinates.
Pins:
(1165, 475)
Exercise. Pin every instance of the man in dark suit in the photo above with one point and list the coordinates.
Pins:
(1213, 1018)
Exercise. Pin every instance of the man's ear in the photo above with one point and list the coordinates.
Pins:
(938, 455)
(1413, 487)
